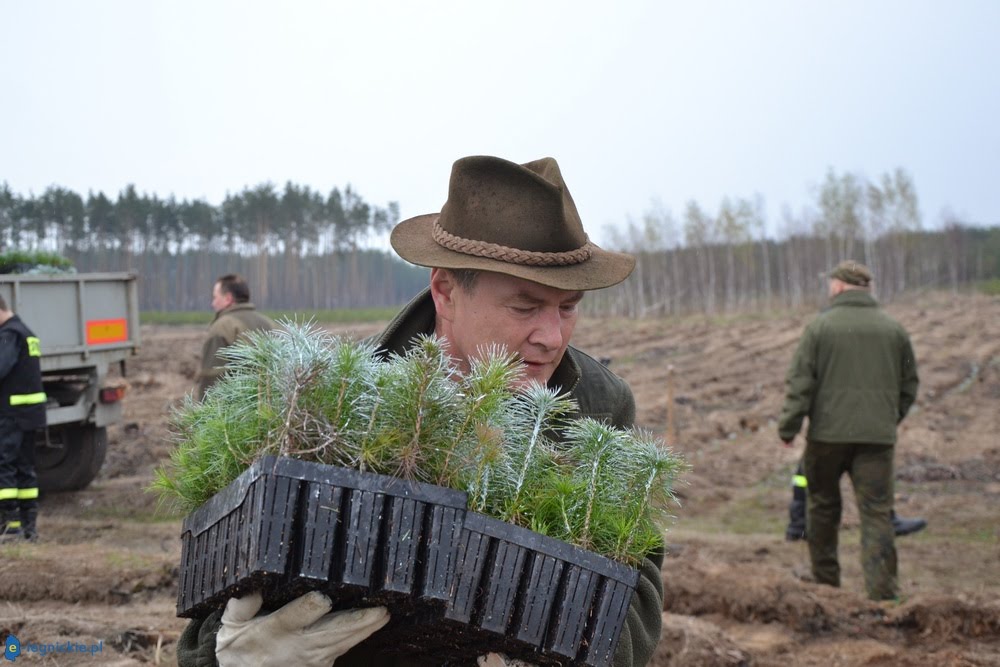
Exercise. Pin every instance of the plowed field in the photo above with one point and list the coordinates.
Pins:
(105, 571)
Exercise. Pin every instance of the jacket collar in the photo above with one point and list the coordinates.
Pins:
(853, 297)
(246, 305)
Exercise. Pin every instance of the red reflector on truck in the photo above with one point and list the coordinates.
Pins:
(112, 394)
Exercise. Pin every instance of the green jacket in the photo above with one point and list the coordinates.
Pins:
(854, 375)
(600, 394)
(230, 324)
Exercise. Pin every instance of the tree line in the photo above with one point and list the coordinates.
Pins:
(303, 249)
(727, 262)
(298, 247)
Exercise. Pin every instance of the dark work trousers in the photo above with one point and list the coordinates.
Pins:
(18, 482)
(871, 472)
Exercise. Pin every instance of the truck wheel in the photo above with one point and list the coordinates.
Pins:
(75, 459)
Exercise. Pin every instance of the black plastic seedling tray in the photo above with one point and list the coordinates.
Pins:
(285, 527)
(458, 584)
(531, 597)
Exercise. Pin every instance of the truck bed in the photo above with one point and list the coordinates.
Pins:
(82, 320)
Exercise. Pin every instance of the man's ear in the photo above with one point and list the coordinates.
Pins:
(443, 289)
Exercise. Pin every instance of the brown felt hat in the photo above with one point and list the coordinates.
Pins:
(516, 219)
(852, 273)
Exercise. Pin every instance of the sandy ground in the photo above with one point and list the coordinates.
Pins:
(105, 572)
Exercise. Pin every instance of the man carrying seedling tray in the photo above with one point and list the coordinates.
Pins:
(510, 262)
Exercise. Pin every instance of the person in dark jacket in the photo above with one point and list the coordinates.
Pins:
(234, 317)
(854, 375)
(510, 262)
(22, 412)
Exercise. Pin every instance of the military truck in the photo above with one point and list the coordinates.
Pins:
(86, 322)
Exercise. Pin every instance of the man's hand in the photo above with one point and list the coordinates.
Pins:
(300, 633)
(500, 660)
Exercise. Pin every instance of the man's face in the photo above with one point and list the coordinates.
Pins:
(220, 300)
(531, 320)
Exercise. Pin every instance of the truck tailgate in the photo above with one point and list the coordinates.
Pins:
(81, 319)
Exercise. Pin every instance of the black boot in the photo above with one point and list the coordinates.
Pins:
(796, 520)
(906, 526)
(29, 523)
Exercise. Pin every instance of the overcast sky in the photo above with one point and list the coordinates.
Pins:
(640, 102)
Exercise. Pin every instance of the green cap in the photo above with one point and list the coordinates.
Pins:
(852, 273)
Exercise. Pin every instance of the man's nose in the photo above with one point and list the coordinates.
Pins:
(547, 332)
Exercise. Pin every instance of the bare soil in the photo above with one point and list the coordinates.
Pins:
(736, 591)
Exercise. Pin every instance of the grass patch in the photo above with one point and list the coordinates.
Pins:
(990, 287)
(153, 514)
(22, 550)
(322, 316)
(752, 515)
(118, 560)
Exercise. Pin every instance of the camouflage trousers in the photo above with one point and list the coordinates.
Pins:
(871, 472)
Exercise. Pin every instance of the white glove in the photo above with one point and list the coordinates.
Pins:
(300, 633)
(500, 660)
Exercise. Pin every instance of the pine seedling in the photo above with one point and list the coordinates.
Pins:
(551, 504)
(342, 401)
(654, 472)
(416, 414)
(216, 440)
(624, 481)
(528, 451)
(486, 393)
(591, 449)
(282, 370)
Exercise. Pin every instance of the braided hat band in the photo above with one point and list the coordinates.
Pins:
(507, 254)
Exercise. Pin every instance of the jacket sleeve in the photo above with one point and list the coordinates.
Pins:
(642, 628)
(223, 332)
(800, 383)
(212, 366)
(909, 380)
(624, 416)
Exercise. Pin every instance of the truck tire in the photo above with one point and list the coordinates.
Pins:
(75, 459)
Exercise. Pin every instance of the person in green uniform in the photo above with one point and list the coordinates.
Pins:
(855, 376)
(510, 262)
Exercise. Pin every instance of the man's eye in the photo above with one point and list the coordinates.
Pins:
(569, 309)
(523, 310)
